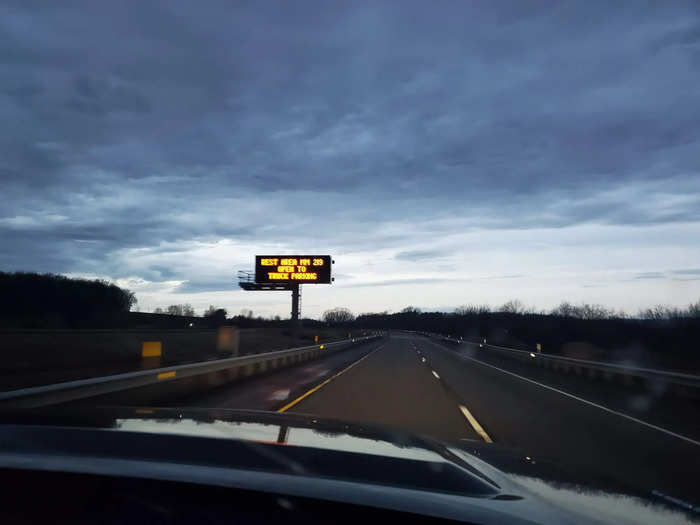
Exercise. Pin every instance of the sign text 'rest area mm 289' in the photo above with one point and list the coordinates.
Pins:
(292, 269)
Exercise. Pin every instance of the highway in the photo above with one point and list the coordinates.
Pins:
(422, 385)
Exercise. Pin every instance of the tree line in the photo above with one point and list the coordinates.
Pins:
(185, 310)
(564, 309)
(661, 335)
(586, 311)
(50, 300)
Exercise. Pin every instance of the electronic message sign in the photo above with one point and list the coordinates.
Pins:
(293, 269)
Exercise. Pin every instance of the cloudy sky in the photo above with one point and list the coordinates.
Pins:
(443, 152)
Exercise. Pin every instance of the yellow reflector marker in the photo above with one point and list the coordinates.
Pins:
(166, 375)
(532, 355)
(151, 349)
(322, 347)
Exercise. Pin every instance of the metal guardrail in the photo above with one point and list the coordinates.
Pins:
(690, 379)
(161, 383)
(591, 368)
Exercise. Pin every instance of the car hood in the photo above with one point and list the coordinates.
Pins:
(333, 449)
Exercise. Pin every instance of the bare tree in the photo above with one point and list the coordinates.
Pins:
(587, 311)
(338, 315)
(180, 309)
(174, 309)
(132, 300)
(694, 309)
(210, 311)
(188, 310)
(663, 311)
(514, 306)
(595, 311)
(215, 316)
(565, 309)
(410, 310)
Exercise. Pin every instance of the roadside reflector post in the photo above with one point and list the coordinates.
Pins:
(151, 353)
(315, 339)
(539, 348)
(227, 340)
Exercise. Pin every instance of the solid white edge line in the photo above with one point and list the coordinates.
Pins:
(591, 403)
(475, 424)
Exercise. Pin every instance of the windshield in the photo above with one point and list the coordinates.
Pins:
(476, 222)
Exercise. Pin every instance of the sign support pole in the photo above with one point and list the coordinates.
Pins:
(288, 272)
(296, 296)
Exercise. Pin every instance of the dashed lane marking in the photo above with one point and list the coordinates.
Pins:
(580, 399)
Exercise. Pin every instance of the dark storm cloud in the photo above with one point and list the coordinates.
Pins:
(133, 125)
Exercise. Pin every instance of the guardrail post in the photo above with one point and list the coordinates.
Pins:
(227, 340)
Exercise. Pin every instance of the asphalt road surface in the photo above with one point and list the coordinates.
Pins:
(421, 385)
(271, 391)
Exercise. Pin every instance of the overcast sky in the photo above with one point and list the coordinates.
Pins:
(443, 152)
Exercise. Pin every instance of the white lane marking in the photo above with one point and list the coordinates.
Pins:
(475, 424)
(435, 374)
(591, 403)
